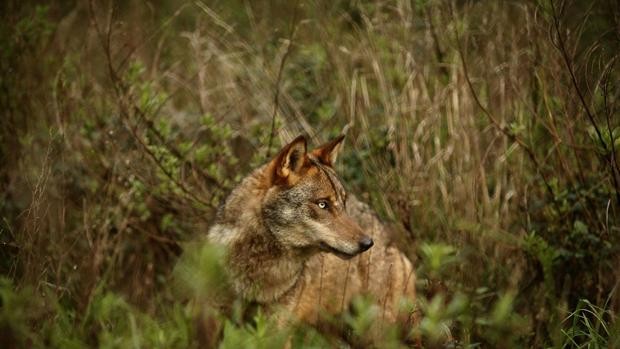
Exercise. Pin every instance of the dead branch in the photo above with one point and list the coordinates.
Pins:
(276, 97)
(510, 135)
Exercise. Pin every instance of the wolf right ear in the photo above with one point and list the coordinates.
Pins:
(328, 152)
(291, 159)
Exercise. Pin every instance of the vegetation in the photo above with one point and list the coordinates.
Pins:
(486, 134)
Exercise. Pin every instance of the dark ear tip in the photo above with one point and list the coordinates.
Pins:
(300, 142)
(300, 138)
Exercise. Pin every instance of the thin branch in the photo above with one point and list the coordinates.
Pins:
(124, 109)
(104, 39)
(567, 62)
(591, 117)
(511, 136)
(276, 98)
(155, 159)
(173, 150)
(615, 172)
(439, 55)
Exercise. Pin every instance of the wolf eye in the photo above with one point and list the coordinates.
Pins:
(322, 204)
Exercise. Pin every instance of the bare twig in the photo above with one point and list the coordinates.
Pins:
(615, 171)
(591, 117)
(276, 97)
(513, 137)
(569, 67)
(157, 161)
(104, 40)
(173, 150)
(125, 108)
(439, 55)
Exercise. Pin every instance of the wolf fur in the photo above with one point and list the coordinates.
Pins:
(298, 243)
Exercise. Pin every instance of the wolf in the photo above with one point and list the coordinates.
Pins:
(297, 242)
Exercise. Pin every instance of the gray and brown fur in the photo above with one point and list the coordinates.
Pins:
(289, 254)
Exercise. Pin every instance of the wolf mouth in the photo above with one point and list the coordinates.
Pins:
(343, 255)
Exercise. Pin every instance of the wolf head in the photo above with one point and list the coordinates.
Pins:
(305, 204)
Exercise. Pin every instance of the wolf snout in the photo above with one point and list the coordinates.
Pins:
(365, 243)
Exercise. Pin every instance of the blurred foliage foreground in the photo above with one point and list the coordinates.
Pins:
(486, 134)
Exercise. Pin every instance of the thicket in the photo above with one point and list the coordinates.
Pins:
(485, 134)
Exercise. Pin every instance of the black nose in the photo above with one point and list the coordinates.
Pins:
(366, 243)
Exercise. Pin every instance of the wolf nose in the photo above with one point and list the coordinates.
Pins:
(366, 243)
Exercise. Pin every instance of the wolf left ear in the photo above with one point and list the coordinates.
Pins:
(328, 152)
(291, 158)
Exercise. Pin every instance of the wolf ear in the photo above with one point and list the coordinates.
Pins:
(328, 152)
(291, 158)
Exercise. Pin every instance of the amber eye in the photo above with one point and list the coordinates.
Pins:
(322, 204)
